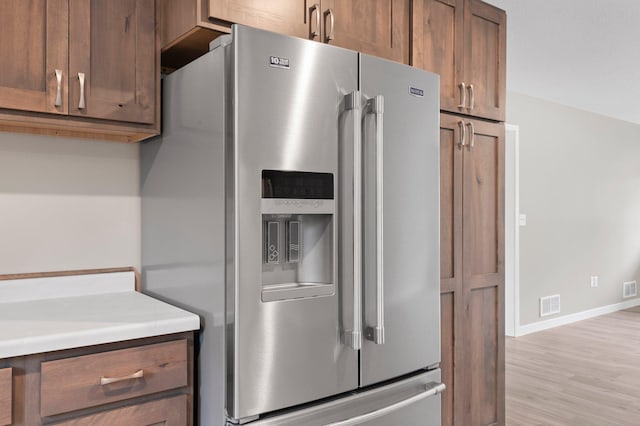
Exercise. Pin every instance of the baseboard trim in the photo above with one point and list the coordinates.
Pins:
(578, 316)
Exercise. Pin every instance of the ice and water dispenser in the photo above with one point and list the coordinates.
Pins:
(298, 210)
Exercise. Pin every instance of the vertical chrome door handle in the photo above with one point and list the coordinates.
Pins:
(376, 107)
(329, 34)
(463, 95)
(472, 100)
(81, 104)
(58, 101)
(313, 34)
(461, 128)
(354, 336)
(472, 134)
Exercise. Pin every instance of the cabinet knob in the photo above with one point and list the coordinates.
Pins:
(329, 34)
(58, 101)
(81, 104)
(463, 95)
(314, 33)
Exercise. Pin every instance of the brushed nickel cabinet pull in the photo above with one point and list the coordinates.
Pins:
(472, 133)
(329, 34)
(58, 101)
(81, 104)
(462, 138)
(463, 95)
(472, 100)
(315, 7)
(108, 380)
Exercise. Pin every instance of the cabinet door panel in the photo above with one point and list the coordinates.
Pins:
(485, 62)
(34, 37)
(376, 27)
(283, 16)
(113, 44)
(451, 295)
(438, 36)
(483, 272)
(6, 396)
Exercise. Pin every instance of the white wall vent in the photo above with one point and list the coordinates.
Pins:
(629, 289)
(549, 305)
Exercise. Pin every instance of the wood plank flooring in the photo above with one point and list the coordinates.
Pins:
(582, 374)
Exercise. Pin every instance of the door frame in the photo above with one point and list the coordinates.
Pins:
(512, 230)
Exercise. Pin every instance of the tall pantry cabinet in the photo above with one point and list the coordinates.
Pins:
(465, 42)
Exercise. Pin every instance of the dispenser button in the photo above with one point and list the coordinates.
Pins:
(272, 243)
(293, 242)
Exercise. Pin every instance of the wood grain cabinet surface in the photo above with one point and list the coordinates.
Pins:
(379, 28)
(139, 382)
(86, 68)
(6, 396)
(472, 270)
(465, 42)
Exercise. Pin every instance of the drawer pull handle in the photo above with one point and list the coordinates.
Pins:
(108, 380)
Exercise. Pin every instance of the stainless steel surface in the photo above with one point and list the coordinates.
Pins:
(461, 131)
(58, 101)
(329, 33)
(375, 105)
(463, 96)
(472, 136)
(411, 220)
(81, 104)
(296, 206)
(353, 335)
(472, 100)
(424, 412)
(183, 216)
(430, 389)
(314, 8)
(283, 119)
(108, 380)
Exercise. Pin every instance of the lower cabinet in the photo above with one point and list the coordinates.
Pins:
(137, 383)
(472, 270)
(6, 396)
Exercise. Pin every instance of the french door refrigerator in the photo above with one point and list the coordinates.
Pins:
(292, 202)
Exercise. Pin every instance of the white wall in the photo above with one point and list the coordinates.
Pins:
(67, 204)
(580, 190)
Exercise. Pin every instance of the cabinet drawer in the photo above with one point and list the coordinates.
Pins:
(167, 412)
(6, 396)
(86, 381)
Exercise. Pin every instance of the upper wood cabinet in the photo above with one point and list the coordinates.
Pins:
(111, 44)
(85, 68)
(33, 46)
(379, 28)
(465, 42)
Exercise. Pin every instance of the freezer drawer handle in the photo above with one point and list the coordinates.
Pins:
(376, 333)
(431, 389)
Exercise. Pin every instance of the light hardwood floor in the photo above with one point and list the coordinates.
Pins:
(582, 374)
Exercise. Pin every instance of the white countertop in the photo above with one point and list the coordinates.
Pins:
(49, 314)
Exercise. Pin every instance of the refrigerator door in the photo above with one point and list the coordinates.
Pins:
(413, 401)
(284, 297)
(401, 219)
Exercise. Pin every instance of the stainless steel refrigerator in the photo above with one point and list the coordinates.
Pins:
(292, 201)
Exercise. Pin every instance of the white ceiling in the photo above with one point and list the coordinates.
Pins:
(581, 53)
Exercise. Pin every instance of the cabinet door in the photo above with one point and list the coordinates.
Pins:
(483, 272)
(6, 396)
(485, 61)
(438, 36)
(451, 295)
(379, 28)
(292, 17)
(34, 45)
(164, 412)
(113, 45)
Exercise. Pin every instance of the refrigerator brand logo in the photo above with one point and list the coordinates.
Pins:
(416, 92)
(275, 61)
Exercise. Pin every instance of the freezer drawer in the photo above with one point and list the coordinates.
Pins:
(413, 401)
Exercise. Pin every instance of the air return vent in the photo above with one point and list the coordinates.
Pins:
(549, 305)
(629, 289)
